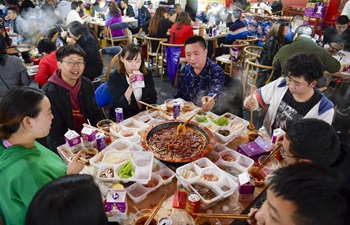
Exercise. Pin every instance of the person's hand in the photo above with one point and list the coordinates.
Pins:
(249, 103)
(132, 78)
(70, 41)
(108, 214)
(337, 46)
(75, 166)
(64, 34)
(207, 103)
(7, 17)
(252, 213)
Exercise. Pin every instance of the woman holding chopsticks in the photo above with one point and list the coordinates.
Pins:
(26, 165)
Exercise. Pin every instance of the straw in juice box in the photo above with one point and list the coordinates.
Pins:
(139, 81)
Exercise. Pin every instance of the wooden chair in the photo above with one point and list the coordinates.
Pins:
(54, 38)
(250, 39)
(252, 52)
(183, 60)
(157, 53)
(251, 74)
(113, 51)
(229, 59)
(140, 35)
(124, 40)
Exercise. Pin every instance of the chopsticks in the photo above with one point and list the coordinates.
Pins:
(268, 159)
(81, 159)
(182, 127)
(156, 209)
(153, 107)
(96, 128)
(200, 110)
(224, 216)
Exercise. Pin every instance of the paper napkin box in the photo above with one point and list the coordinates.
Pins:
(246, 187)
(254, 149)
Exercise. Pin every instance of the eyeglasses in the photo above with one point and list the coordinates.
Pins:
(71, 63)
(284, 155)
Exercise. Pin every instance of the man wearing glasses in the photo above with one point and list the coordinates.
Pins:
(313, 140)
(71, 96)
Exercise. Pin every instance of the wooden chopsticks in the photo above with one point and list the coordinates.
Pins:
(153, 107)
(156, 209)
(224, 216)
(101, 130)
(200, 110)
(268, 158)
(81, 159)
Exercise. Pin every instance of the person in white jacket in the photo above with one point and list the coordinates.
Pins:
(295, 96)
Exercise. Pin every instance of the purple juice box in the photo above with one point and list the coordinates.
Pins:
(139, 81)
(254, 149)
(73, 141)
(89, 137)
(246, 187)
(116, 201)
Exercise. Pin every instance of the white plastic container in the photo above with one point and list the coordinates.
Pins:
(208, 175)
(138, 192)
(141, 164)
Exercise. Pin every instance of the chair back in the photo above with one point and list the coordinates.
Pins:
(102, 95)
(171, 66)
(251, 74)
(112, 50)
(252, 52)
(118, 26)
(236, 50)
(126, 39)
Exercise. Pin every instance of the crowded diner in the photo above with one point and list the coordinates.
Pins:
(174, 112)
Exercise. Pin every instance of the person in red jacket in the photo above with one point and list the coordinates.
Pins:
(181, 30)
(48, 64)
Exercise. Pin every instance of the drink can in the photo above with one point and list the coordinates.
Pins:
(192, 203)
(176, 109)
(165, 221)
(119, 115)
(100, 141)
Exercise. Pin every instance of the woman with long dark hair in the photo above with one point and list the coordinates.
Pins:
(114, 15)
(120, 83)
(3, 32)
(159, 26)
(181, 30)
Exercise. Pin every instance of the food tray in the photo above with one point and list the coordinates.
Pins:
(234, 127)
(141, 164)
(222, 187)
(118, 145)
(233, 167)
(161, 173)
(152, 118)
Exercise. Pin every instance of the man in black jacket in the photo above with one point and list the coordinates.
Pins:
(142, 16)
(71, 96)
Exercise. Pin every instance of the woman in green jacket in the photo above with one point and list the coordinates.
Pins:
(26, 165)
